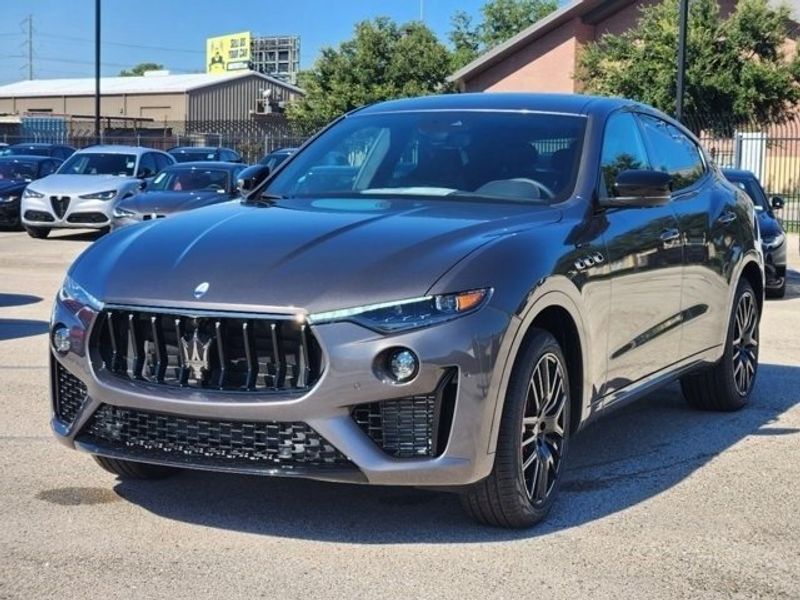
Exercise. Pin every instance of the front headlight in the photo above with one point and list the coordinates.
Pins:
(121, 213)
(8, 198)
(772, 243)
(76, 298)
(107, 195)
(29, 193)
(402, 315)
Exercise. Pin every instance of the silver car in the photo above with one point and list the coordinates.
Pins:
(82, 193)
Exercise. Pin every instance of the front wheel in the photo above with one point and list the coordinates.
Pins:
(727, 385)
(39, 233)
(532, 443)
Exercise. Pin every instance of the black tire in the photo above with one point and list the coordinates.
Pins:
(506, 498)
(39, 233)
(776, 293)
(127, 469)
(720, 386)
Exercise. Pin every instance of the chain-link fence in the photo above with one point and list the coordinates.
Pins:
(252, 139)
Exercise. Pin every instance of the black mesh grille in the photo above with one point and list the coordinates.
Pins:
(90, 217)
(210, 442)
(207, 351)
(402, 428)
(70, 394)
(39, 216)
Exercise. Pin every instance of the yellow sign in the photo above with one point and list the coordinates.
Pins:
(226, 53)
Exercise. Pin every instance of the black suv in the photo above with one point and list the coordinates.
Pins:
(433, 292)
(204, 153)
(59, 151)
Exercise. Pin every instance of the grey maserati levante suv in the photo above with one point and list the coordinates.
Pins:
(435, 292)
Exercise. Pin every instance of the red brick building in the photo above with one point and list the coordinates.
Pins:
(542, 58)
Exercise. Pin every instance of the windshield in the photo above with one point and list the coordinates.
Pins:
(195, 155)
(752, 188)
(99, 163)
(491, 155)
(188, 180)
(17, 170)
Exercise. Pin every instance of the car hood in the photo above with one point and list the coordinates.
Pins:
(769, 225)
(315, 256)
(79, 184)
(12, 185)
(165, 203)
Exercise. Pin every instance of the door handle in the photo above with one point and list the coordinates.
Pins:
(670, 235)
(727, 218)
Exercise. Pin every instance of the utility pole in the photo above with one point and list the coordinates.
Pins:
(29, 31)
(97, 71)
(683, 19)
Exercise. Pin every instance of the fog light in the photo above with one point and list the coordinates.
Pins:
(61, 341)
(403, 365)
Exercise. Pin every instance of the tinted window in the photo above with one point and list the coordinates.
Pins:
(231, 156)
(47, 167)
(147, 165)
(162, 161)
(753, 189)
(62, 152)
(17, 170)
(274, 159)
(188, 179)
(672, 152)
(28, 150)
(623, 149)
(99, 163)
(195, 155)
(516, 156)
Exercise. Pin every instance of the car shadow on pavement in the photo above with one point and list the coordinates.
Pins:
(11, 329)
(624, 459)
(792, 284)
(65, 235)
(7, 300)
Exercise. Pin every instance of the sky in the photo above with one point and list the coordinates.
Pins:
(173, 32)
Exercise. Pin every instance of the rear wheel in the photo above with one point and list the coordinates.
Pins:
(127, 469)
(532, 443)
(727, 385)
(39, 233)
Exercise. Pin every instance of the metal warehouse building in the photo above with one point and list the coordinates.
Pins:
(157, 96)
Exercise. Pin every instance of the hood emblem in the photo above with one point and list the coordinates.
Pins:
(201, 290)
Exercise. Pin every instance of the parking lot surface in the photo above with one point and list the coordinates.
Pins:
(660, 501)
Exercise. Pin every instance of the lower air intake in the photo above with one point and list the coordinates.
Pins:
(70, 394)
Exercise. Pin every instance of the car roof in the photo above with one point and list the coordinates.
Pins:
(37, 145)
(205, 164)
(28, 158)
(115, 149)
(561, 103)
(744, 173)
(199, 149)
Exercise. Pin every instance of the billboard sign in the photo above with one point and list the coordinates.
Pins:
(227, 53)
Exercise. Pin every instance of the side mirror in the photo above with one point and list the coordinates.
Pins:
(250, 179)
(144, 173)
(777, 202)
(639, 188)
(142, 184)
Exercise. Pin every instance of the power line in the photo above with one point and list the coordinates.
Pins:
(81, 62)
(122, 44)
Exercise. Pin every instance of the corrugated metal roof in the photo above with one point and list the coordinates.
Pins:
(109, 86)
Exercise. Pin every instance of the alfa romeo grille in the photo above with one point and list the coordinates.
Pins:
(208, 351)
(209, 442)
(60, 205)
(70, 394)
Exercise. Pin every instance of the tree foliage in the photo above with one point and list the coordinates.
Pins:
(140, 69)
(501, 20)
(736, 68)
(384, 60)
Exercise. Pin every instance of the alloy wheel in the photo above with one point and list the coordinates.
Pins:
(745, 343)
(543, 428)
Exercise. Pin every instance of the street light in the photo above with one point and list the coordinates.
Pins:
(683, 18)
(97, 71)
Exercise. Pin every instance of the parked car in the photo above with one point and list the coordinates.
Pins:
(773, 237)
(82, 193)
(204, 153)
(60, 151)
(179, 188)
(498, 271)
(276, 157)
(16, 172)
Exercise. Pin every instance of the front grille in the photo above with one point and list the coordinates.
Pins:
(414, 426)
(70, 394)
(209, 352)
(90, 217)
(210, 442)
(60, 205)
(39, 216)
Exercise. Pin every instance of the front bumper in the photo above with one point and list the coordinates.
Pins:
(79, 214)
(775, 265)
(9, 213)
(467, 348)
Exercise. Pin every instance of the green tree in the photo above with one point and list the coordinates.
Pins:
(503, 19)
(736, 69)
(140, 69)
(465, 39)
(383, 60)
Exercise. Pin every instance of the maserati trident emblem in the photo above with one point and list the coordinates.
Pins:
(201, 290)
(195, 355)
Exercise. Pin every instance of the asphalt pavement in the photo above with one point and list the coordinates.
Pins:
(660, 501)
